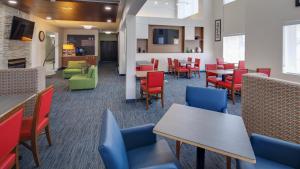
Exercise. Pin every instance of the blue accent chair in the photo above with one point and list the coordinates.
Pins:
(133, 148)
(272, 153)
(207, 98)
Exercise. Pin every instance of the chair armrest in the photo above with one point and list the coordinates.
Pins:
(276, 150)
(138, 136)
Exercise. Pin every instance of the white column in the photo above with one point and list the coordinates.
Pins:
(130, 57)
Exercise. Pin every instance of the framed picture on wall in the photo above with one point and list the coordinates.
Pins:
(218, 35)
(298, 3)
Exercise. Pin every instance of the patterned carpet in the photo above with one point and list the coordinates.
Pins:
(76, 119)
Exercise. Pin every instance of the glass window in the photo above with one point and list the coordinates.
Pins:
(291, 49)
(227, 1)
(234, 48)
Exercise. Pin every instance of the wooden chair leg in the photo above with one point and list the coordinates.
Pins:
(147, 99)
(162, 99)
(198, 73)
(35, 150)
(228, 163)
(232, 96)
(178, 147)
(47, 130)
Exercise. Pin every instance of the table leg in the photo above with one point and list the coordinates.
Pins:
(228, 163)
(200, 158)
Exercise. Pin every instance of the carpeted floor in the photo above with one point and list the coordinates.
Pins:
(76, 119)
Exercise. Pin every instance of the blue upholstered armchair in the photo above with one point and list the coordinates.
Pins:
(207, 98)
(272, 153)
(133, 148)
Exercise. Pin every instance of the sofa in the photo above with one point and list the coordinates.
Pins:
(84, 81)
(272, 153)
(74, 68)
(133, 148)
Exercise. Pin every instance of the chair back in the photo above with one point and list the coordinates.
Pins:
(10, 129)
(189, 59)
(152, 60)
(207, 98)
(242, 64)
(238, 75)
(155, 79)
(111, 147)
(210, 67)
(220, 61)
(146, 67)
(197, 62)
(42, 108)
(229, 66)
(170, 62)
(266, 71)
(155, 64)
(176, 63)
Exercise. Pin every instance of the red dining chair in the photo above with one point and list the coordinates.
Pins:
(236, 84)
(10, 128)
(170, 65)
(156, 64)
(152, 60)
(196, 68)
(242, 64)
(33, 126)
(189, 59)
(266, 71)
(211, 77)
(145, 68)
(154, 86)
(180, 69)
(229, 66)
(220, 63)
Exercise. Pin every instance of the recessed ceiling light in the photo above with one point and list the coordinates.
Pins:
(107, 32)
(87, 26)
(107, 8)
(67, 8)
(48, 17)
(12, 2)
(166, 3)
(155, 2)
(108, 20)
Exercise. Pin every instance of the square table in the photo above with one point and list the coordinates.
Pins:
(143, 62)
(222, 71)
(207, 130)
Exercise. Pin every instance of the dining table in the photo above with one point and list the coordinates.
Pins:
(222, 72)
(143, 62)
(11, 102)
(143, 74)
(207, 130)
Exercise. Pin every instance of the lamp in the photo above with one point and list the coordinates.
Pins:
(68, 46)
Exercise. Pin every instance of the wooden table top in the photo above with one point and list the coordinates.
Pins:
(221, 71)
(217, 132)
(139, 63)
(9, 103)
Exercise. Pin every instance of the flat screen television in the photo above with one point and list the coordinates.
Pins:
(21, 29)
(165, 36)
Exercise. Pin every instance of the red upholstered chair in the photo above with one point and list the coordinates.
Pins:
(220, 63)
(152, 60)
(229, 66)
(189, 59)
(10, 128)
(156, 64)
(242, 64)
(33, 126)
(236, 83)
(211, 77)
(145, 68)
(170, 65)
(180, 69)
(266, 71)
(154, 86)
(196, 68)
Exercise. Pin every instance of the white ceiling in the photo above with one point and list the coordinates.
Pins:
(159, 8)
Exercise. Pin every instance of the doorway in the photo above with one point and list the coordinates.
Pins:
(109, 51)
(51, 60)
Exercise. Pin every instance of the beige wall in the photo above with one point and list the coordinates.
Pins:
(34, 51)
(154, 48)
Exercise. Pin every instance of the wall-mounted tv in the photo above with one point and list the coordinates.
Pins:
(21, 29)
(165, 36)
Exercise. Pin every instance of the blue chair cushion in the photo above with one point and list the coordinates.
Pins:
(207, 98)
(112, 148)
(155, 156)
(261, 163)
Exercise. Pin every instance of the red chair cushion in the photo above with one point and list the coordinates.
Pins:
(8, 161)
(182, 69)
(26, 129)
(152, 90)
(213, 80)
(228, 78)
(143, 81)
(228, 84)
